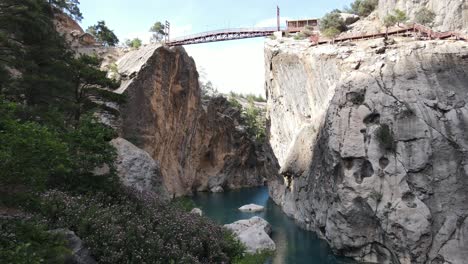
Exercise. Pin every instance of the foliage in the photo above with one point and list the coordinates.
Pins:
(29, 152)
(400, 16)
(331, 33)
(425, 16)
(250, 96)
(363, 8)
(131, 229)
(158, 31)
(258, 258)
(208, 90)
(332, 20)
(103, 34)
(255, 121)
(376, 196)
(183, 203)
(389, 20)
(89, 149)
(27, 242)
(68, 6)
(385, 137)
(134, 43)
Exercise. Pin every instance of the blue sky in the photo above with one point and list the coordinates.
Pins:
(234, 65)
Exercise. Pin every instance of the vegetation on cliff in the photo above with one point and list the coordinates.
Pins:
(56, 166)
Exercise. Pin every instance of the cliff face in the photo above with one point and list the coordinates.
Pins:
(199, 146)
(450, 14)
(371, 140)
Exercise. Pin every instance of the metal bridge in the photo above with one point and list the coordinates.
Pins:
(221, 35)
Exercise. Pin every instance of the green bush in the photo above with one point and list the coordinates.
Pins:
(332, 20)
(258, 258)
(385, 137)
(138, 229)
(363, 7)
(29, 152)
(183, 203)
(27, 242)
(134, 43)
(425, 16)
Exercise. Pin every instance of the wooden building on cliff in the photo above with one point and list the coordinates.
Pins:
(298, 25)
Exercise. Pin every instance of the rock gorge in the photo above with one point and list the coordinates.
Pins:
(371, 140)
(199, 145)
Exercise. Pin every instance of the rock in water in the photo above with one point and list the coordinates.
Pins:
(217, 189)
(253, 233)
(374, 158)
(138, 170)
(251, 208)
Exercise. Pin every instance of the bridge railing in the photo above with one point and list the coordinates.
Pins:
(224, 31)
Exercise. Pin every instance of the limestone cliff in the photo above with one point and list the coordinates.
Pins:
(450, 14)
(198, 146)
(371, 139)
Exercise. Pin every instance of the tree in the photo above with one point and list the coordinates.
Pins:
(389, 20)
(331, 33)
(332, 20)
(158, 31)
(103, 33)
(425, 16)
(400, 16)
(68, 6)
(363, 7)
(134, 43)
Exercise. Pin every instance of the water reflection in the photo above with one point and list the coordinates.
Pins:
(294, 245)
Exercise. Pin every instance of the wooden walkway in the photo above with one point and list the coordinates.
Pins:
(415, 28)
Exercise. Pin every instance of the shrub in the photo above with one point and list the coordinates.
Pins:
(137, 229)
(27, 242)
(376, 196)
(425, 16)
(331, 33)
(400, 16)
(332, 20)
(183, 203)
(29, 152)
(385, 137)
(363, 7)
(134, 43)
(259, 258)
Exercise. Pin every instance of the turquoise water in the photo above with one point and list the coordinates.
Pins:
(293, 244)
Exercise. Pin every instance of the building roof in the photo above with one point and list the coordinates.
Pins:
(299, 20)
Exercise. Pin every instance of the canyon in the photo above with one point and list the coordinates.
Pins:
(370, 138)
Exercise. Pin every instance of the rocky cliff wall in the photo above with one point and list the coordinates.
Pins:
(372, 143)
(199, 146)
(450, 14)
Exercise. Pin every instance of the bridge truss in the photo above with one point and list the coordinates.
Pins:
(222, 35)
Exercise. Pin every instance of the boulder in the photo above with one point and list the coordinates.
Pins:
(138, 170)
(251, 208)
(80, 254)
(253, 233)
(217, 189)
(349, 18)
(197, 211)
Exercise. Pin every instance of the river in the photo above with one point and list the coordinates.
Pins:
(293, 244)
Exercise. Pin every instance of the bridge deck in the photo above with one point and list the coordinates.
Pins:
(222, 35)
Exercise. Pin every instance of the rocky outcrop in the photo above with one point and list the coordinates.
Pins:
(450, 14)
(138, 170)
(371, 140)
(254, 233)
(199, 145)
